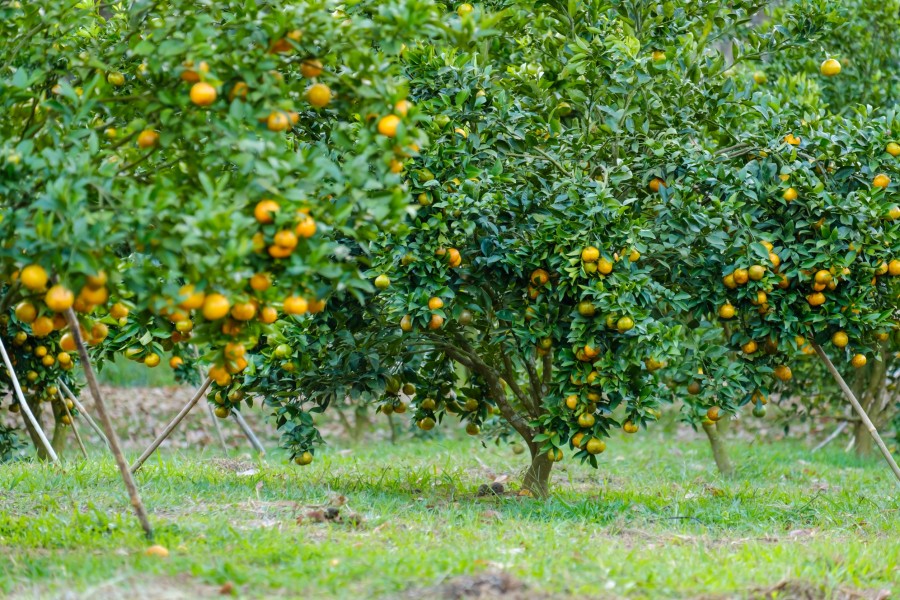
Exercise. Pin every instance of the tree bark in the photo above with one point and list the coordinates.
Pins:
(720, 453)
(537, 477)
(58, 441)
(35, 438)
(862, 441)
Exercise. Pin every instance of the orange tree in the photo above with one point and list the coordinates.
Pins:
(524, 295)
(169, 167)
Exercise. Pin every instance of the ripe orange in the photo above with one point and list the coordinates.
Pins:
(295, 305)
(858, 360)
(539, 277)
(881, 181)
(586, 420)
(260, 282)
(243, 311)
(189, 299)
(152, 360)
(203, 94)
(215, 307)
(67, 342)
(741, 276)
(319, 95)
(729, 281)
(783, 372)
(726, 311)
(790, 194)
(116, 78)
(624, 324)
(33, 277)
(26, 312)
(572, 401)
(175, 362)
(268, 315)
(304, 458)
(756, 272)
(406, 324)
(435, 303)
(387, 125)
(311, 67)
(816, 299)
(830, 67)
(604, 266)
(59, 298)
(595, 446)
(629, 427)
(265, 209)
(306, 227)
(42, 327)
(96, 296)
(276, 251)
(147, 139)
(750, 347)
(464, 9)
(286, 239)
(454, 258)
(586, 308)
(239, 90)
(158, 551)
(402, 107)
(278, 120)
(436, 322)
(655, 184)
(894, 267)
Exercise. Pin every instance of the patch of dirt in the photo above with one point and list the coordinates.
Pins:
(182, 587)
(801, 590)
(490, 585)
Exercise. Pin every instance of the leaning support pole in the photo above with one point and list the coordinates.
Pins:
(171, 426)
(136, 503)
(84, 412)
(859, 410)
(254, 441)
(25, 408)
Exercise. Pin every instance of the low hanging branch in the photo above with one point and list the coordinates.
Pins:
(859, 410)
(114, 445)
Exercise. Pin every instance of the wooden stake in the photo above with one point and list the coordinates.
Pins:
(136, 503)
(84, 412)
(65, 404)
(24, 405)
(171, 426)
(859, 410)
(254, 441)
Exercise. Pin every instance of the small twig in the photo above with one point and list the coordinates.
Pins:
(65, 404)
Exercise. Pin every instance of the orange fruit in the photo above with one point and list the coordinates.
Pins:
(629, 427)
(175, 362)
(311, 67)
(59, 298)
(406, 324)
(604, 266)
(830, 67)
(215, 307)
(881, 181)
(278, 121)
(152, 360)
(539, 277)
(790, 194)
(726, 311)
(655, 184)
(817, 299)
(306, 227)
(42, 327)
(729, 281)
(203, 94)
(147, 139)
(97, 296)
(286, 239)
(157, 550)
(436, 322)
(590, 254)
(190, 299)
(858, 360)
(840, 339)
(268, 315)
(387, 125)
(750, 347)
(26, 312)
(265, 209)
(435, 303)
(239, 90)
(276, 251)
(756, 272)
(319, 95)
(33, 277)
(295, 305)
(741, 276)
(67, 342)
(402, 108)
(243, 311)
(260, 282)
(783, 372)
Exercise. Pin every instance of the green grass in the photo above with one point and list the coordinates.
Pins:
(128, 373)
(655, 521)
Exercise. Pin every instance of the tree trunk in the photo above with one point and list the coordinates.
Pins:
(876, 400)
(58, 441)
(537, 477)
(718, 449)
(35, 439)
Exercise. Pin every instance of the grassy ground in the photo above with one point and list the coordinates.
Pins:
(655, 521)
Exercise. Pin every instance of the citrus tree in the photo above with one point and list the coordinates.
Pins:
(184, 173)
(528, 294)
